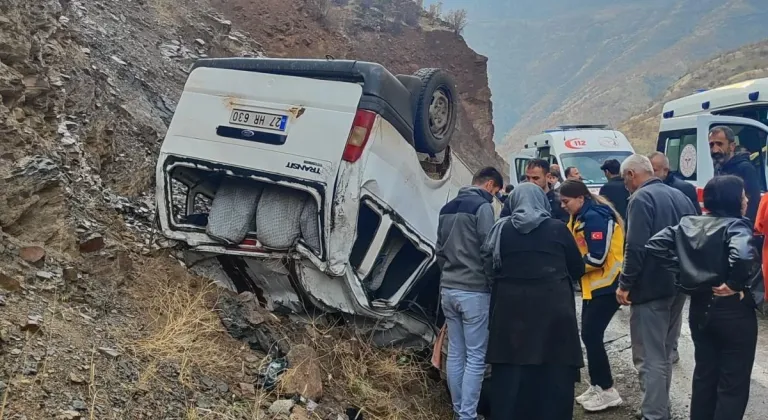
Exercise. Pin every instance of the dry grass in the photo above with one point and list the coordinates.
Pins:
(385, 384)
(182, 329)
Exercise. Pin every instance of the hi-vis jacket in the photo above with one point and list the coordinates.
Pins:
(601, 241)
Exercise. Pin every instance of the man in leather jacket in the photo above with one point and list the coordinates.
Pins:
(656, 311)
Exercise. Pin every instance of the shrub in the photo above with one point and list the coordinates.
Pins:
(435, 11)
(366, 4)
(457, 20)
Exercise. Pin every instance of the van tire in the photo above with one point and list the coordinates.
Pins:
(436, 111)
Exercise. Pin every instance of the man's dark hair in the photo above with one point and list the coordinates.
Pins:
(612, 166)
(727, 132)
(508, 189)
(486, 174)
(538, 163)
(568, 171)
(722, 195)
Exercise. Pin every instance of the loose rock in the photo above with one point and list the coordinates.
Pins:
(281, 407)
(76, 379)
(304, 376)
(32, 254)
(33, 324)
(247, 389)
(93, 243)
(9, 283)
(109, 352)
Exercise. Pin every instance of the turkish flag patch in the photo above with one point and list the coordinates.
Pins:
(597, 236)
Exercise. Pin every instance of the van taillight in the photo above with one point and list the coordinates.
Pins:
(358, 135)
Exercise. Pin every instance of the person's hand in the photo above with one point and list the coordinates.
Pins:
(723, 290)
(622, 296)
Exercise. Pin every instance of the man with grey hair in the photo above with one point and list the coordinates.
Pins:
(660, 164)
(729, 161)
(656, 311)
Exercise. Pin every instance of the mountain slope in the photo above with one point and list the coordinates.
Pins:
(749, 62)
(555, 61)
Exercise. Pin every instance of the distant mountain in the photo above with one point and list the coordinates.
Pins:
(748, 62)
(580, 61)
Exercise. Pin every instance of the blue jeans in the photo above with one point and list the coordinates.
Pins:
(466, 314)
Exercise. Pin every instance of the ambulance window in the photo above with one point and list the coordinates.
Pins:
(758, 113)
(520, 164)
(680, 148)
(752, 140)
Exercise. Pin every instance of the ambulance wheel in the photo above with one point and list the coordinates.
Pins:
(436, 111)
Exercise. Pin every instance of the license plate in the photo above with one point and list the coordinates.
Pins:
(259, 120)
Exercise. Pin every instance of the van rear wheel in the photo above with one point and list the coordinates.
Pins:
(436, 111)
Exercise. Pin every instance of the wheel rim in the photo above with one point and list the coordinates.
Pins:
(440, 113)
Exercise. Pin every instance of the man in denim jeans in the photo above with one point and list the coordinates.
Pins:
(464, 223)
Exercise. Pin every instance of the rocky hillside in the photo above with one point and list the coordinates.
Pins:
(553, 62)
(101, 320)
(749, 62)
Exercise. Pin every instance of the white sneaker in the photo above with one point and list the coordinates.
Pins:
(589, 393)
(602, 400)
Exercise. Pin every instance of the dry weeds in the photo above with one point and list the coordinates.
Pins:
(183, 328)
(384, 383)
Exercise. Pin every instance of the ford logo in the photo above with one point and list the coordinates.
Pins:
(247, 133)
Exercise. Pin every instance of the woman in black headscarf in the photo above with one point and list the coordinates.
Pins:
(533, 347)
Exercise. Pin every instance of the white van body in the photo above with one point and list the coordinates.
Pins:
(685, 125)
(584, 146)
(379, 209)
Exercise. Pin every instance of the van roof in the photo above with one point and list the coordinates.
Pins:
(592, 139)
(730, 96)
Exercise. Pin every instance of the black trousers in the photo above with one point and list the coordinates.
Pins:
(724, 332)
(596, 314)
(532, 392)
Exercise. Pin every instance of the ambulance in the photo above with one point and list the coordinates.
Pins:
(685, 125)
(584, 146)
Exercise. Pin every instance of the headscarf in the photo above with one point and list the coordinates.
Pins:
(529, 207)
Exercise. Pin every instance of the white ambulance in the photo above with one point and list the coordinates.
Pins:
(685, 125)
(584, 146)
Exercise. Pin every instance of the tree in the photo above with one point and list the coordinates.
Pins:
(435, 10)
(457, 20)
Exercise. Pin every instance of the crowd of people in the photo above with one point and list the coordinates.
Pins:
(508, 286)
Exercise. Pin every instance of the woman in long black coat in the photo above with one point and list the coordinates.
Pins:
(533, 347)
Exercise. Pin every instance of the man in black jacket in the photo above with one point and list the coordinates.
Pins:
(660, 164)
(656, 311)
(614, 190)
(722, 147)
(537, 172)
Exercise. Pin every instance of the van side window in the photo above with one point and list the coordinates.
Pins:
(680, 148)
(752, 140)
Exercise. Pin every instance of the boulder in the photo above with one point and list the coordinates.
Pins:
(304, 376)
